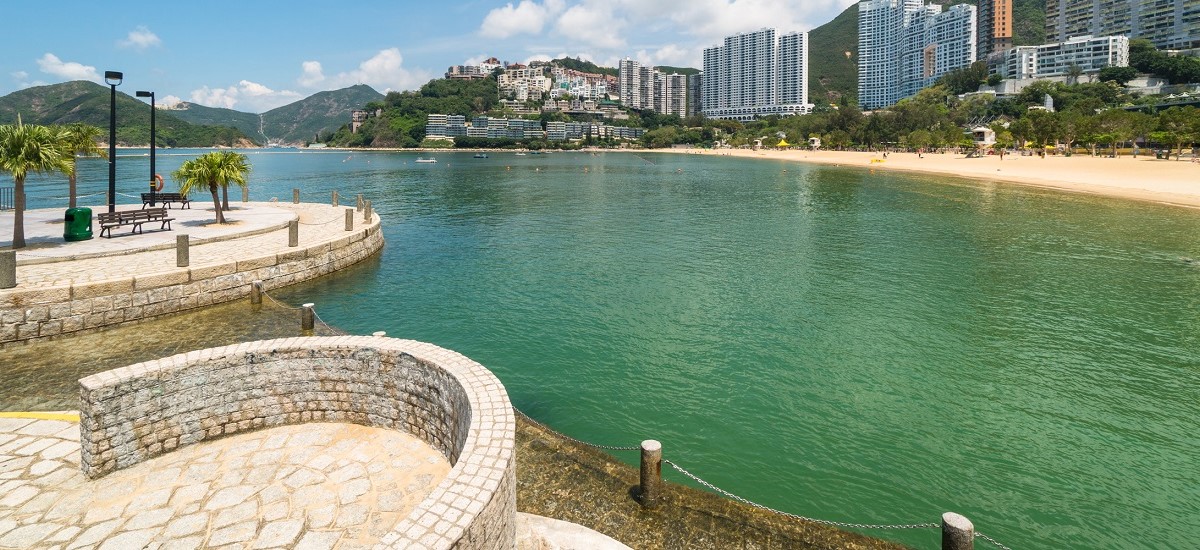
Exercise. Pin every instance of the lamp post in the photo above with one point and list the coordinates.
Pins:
(113, 79)
(153, 187)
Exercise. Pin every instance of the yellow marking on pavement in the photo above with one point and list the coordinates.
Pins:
(69, 417)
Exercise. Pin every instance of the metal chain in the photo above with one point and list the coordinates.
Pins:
(280, 304)
(322, 223)
(335, 331)
(991, 540)
(565, 436)
(795, 516)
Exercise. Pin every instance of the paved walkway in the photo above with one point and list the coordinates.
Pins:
(257, 228)
(311, 486)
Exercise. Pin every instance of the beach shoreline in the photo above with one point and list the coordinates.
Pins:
(1143, 178)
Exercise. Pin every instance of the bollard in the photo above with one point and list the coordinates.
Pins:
(245, 194)
(349, 219)
(8, 268)
(379, 333)
(295, 196)
(335, 199)
(651, 473)
(367, 212)
(306, 317)
(182, 250)
(957, 532)
(256, 292)
(294, 233)
(360, 203)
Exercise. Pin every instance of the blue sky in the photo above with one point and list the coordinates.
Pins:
(255, 55)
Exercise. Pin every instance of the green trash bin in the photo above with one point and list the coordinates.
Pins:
(78, 224)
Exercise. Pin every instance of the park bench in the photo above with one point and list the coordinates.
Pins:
(133, 218)
(167, 199)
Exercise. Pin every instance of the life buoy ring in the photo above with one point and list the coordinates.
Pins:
(158, 182)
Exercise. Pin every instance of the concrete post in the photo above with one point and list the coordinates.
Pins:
(367, 212)
(335, 198)
(651, 473)
(294, 233)
(245, 194)
(307, 317)
(349, 219)
(8, 268)
(183, 253)
(295, 196)
(256, 292)
(957, 532)
(359, 207)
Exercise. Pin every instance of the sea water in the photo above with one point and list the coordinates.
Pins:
(849, 345)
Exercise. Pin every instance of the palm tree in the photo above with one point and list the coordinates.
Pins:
(25, 148)
(210, 171)
(81, 141)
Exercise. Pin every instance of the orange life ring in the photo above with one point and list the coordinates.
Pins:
(158, 179)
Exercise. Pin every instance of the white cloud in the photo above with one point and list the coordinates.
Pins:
(311, 74)
(140, 39)
(169, 102)
(594, 24)
(527, 17)
(671, 54)
(20, 75)
(245, 96)
(384, 71)
(51, 64)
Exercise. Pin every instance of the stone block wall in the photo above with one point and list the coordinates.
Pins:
(31, 314)
(132, 414)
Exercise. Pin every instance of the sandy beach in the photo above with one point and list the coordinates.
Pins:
(1141, 178)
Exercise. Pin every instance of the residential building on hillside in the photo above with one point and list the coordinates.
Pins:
(646, 88)
(694, 84)
(904, 46)
(1169, 24)
(442, 126)
(994, 32)
(1088, 54)
(756, 74)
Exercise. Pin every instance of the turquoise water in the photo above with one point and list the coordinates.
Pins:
(875, 348)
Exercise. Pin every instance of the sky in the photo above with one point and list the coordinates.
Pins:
(255, 55)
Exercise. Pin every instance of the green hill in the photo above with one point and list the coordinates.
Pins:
(295, 122)
(88, 102)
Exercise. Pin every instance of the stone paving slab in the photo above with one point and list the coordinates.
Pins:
(313, 486)
(254, 230)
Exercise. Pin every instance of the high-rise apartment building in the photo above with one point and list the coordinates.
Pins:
(644, 87)
(1086, 53)
(756, 74)
(995, 29)
(904, 45)
(1169, 24)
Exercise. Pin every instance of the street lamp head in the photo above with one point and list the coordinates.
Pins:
(113, 78)
(141, 93)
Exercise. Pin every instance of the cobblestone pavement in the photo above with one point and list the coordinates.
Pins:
(311, 486)
(257, 229)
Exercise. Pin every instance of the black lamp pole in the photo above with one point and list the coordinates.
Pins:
(153, 186)
(113, 79)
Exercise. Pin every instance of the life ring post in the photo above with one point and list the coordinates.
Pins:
(157, 183)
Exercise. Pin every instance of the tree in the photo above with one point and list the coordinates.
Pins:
(1178, 125)
(1004, 139)
(1120, 75)
(25, 148)
(80, 140)
(210, 171)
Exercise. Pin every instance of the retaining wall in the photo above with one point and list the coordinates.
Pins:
(134, 413)
(36, 313)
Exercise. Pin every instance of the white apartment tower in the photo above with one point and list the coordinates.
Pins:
(1169, 24)
(644, 87)
(904, 45)
(756, 74)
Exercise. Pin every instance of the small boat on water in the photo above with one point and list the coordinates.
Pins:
(481, 155)
(520, 154)
(426, 161)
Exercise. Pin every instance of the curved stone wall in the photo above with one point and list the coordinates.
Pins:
(36, 313)
(457, 406)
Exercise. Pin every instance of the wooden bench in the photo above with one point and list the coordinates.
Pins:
(167, 199)
(133, 218)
